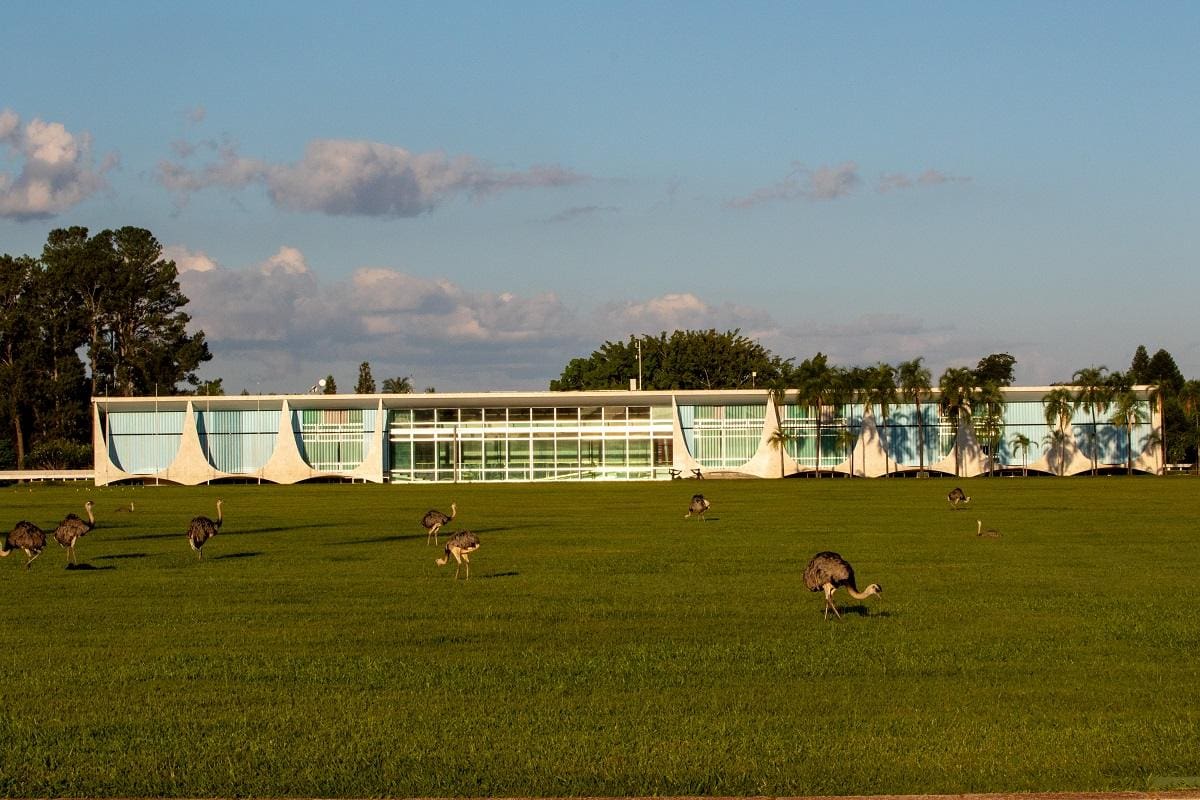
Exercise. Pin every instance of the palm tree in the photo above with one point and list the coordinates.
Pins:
(1058, 406)
(991, 401)
(846, 439)
(957, 387)
(816, 383)
(855, 386)
(1189, 399)
(1127, 412)
(1094, 395)
(881, 391)
(1022, 443)
(915, 384)
(777, 393)
(398, 386)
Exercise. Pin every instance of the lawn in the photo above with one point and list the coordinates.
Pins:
(604, 644)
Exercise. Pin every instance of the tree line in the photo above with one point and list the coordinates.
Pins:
(93, 315)
(709, 359)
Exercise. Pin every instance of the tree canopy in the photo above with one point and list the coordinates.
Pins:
(704, 359)
(111, 296)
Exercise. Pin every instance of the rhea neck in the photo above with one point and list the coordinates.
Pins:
(91, 516)
(874, 588)
(219, 517)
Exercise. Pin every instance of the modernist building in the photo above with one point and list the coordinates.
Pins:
(603, 435)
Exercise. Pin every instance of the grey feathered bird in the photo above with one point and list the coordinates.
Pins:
(25, 536)
(957, 497)
(460, 545)
(829, 572)
(72, 528)
(990, 533)
(202, 529)
(698, 506)
(434, 520)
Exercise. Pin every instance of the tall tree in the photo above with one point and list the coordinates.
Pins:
(816, 385)
(1093, 394)
(127, 299)
(366, 383)
(883, 393)
(914, 385)
(330, 385)
(1127, 413)
(22, 350)
(705, 359)
(398, 385)
(1020, 442)
(1139, 368)
(995, 369)
(1058, 406)
(1189, 401)
(990, 402)
(957, 388)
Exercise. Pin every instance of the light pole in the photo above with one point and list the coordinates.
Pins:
(639, 346)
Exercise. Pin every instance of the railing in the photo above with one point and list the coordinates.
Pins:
(47, 475)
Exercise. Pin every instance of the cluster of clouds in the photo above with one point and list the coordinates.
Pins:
(274, 320)
(275, 325)
(55, 169)
(344, 177)
(833, 183)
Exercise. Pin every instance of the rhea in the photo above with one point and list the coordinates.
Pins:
(202, 529)
(957, 497)
(25, 536)
(72, 528)
(990, 533)
(829, 572)
(698, 506)
(460, 545)
(434, 520)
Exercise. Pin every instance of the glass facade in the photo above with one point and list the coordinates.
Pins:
(335, 439)
(529, 443)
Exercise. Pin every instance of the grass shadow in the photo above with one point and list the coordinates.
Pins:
(224, 556)
(499, 575)
(86, 567)
(118, 556)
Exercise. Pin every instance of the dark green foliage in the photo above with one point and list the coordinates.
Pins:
(60, 454)
(996, 370)
(330, 385)
(1139, 368)
(682, 360)
(604, 646)
(398, 386)
(366, 382)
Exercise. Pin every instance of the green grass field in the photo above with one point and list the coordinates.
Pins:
(604, 645)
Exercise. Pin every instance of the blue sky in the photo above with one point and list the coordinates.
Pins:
(474, 193)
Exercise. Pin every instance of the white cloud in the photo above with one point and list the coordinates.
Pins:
(188, 260)
(56, 168)
(344, 177)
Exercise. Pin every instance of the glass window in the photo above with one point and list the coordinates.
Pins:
(401, 455)
(471, 415)
(447, 415)
(614, 412)
(543, 415)
(422, 415)
(567, 414)
(639, 452)
(518, 414)
(423, 455)
(639, 412)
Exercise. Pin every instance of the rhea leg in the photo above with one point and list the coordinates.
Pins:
(32, 556)
(829, 589)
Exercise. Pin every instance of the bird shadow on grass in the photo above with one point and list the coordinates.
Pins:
(375, 540)
(224, 556)
(144, 536)
(281, 528)
(85, 567)
(865, 611)
(499, 575)
(121, 556)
